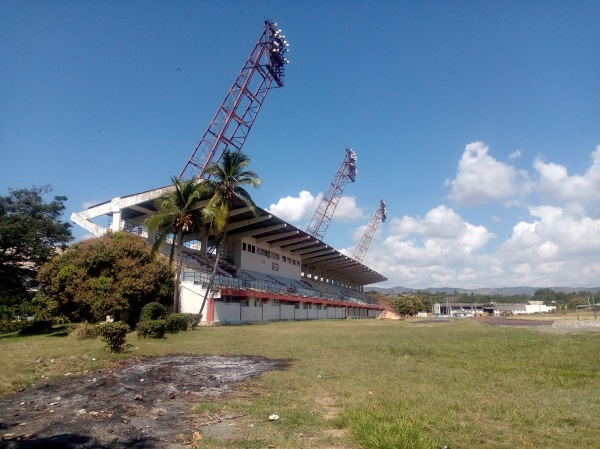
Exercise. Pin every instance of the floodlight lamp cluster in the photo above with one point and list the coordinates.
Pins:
(278, 47)
(351, 162)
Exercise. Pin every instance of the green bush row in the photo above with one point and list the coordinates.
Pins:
(174, 322)
(151, 329)
(8, 327)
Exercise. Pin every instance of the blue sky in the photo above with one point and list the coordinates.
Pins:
(478, 122)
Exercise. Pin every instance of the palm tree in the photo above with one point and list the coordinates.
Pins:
(227, 181)
(178, 216)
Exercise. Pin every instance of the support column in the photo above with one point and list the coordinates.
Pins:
(116, 221)
(204, 243)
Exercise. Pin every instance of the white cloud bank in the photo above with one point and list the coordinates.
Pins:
(482, 179)
(575, 192)
(438, 249)
(296, 209)
(553, 248)
(299, 210)
(558, 244)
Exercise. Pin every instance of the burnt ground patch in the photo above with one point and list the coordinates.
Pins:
(145, 403)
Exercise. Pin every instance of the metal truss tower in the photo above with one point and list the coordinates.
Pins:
(363, 246)
(322, 217)
(232, 122)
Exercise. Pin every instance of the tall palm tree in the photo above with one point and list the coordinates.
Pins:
(227, 182)
(177, 216)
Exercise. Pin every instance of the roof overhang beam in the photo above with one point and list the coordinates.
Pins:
(272, 238)
(310, 241)
(256, 231)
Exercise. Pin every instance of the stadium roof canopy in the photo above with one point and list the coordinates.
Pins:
(132, 210)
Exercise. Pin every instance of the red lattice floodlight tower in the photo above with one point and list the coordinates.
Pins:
(232, 122)
(322, 217)
(363, 246)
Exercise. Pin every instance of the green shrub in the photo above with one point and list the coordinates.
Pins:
(84, 331)
(177, 322)
(114, 335)
(7, 313)
(8, 327)
(153, 311)
(60, 320)
(151, 329)
(193, 320)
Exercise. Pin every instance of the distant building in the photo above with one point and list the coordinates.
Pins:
(492, 309)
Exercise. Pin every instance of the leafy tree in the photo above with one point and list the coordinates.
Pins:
(577, 301)
(111, 275)
(177, 215)
(228, 181)
(412, 304)
(545, 294)
(30, 234)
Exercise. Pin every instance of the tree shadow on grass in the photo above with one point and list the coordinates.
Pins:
(28, 331)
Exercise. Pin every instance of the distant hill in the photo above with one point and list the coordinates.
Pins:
(503, 291)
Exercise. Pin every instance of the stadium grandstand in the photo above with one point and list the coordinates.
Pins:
(269, 269)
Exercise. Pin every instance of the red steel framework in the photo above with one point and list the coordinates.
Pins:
(232, 122)
(347, 172)
(379, 216)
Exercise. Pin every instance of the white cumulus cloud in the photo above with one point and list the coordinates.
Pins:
(296, 209)
(558, 187)
(302, 208)
(481, 179)
(553, 243)
(553, 247)
(515, 155)
(347, 210)
(438, 248)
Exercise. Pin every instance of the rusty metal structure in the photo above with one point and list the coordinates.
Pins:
(322, 217)
(379, 217)
(229, 128)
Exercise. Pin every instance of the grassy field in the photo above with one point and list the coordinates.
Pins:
(374, 384)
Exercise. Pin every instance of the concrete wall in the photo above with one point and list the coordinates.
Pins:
(272, 265)
(251, 312)
(261, 310)
(227, 312)
(287, 311)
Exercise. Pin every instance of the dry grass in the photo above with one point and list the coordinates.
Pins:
(375, 384)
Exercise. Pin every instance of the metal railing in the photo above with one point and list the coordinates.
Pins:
(261, 285)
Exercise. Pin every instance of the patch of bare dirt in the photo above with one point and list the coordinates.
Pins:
(502, 321)
(146, 403)
(433, 321)
(560, 326)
